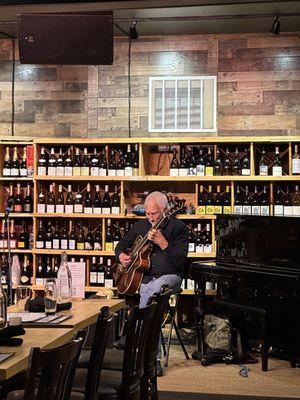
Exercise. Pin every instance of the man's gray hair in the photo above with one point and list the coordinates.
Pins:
(159, 198)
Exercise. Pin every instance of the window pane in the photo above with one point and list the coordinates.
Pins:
(156, 122)
(208, 104)
(195, 104)
(182, 104)
(169, 104)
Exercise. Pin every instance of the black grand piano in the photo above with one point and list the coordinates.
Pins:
(257, 274)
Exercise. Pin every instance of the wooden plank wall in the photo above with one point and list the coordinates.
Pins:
(258, 86)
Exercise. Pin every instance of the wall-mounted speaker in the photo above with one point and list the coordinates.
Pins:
(67, 38)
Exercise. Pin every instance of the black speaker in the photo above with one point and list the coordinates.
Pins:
(67, 38)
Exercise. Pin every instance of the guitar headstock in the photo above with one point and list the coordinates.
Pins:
(176, 205)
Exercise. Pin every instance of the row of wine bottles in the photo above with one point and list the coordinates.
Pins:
(201, 163)
(21, 270)
(17, 240)
(66, 202)
(18, 165)
(113, 162)
(19, 199)
(200, 240)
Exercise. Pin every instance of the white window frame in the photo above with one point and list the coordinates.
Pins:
(188, 79)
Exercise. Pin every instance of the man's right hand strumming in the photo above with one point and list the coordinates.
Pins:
(125, 259)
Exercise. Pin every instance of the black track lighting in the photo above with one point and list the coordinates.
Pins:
(276, 26)
(133, 34)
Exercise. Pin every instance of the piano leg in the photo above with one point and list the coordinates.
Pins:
(199, 320)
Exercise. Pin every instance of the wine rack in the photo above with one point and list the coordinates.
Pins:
(207, 172)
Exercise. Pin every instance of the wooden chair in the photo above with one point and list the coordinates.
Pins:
(50, 372)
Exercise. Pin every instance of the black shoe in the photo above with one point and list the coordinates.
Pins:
(159, 370)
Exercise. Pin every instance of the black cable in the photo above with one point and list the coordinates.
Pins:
(129, 88)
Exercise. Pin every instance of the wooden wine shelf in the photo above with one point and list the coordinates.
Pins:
(23, 251)
(17, 215)
(192, 292)
(15, 178)
(87, 178)
(114, 216)
(202, 255)
(86, 288)
(75, 252)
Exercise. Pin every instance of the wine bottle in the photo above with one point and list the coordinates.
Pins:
(218, 167)
(112, 168)
(68, 164)
(80, 238)
(120, 165)
(255, 206)
(278, 203)
(94, 272)
(106, 202)
(88, 201)
(201, 208)
(60, 169)
(85, 163)
(41, 206)
(60, 203)
(207, 246)
(174, 165)
(12, 235)
(296, 201)
(55, 267)
(95, 163)
(287, 203)
(48, 236)
(210, 206)
(264, 202)
(135, 161)
(192, 163)
(64, 281)
(128, 162)
(18, 201)
(39, 279)
(116, 235)
(42, 163)
(72, 237)
(77, 163)
(28, 201)
(209, 163)
(192, 239)
(40, 238)
(236, 169)
(56, 238)
(52, 163)
(296, 161)
(64, 237)
(247, 203)
(69, 207)
(199, 241)
(277, 165)
(227, 163)
(108, 278)
(98, 238)
(23, 238)
(25, 273)
(103, 163)
(4, 269)
(7, 163)
(50, 206)
(2, 234)
(183, 169)
(245, 165)
(108, 237)
(78, 203)
(200, 165)
(227, 201)
(218, 206)
(100, 272)
(89, 240)
(97, 206)
(115, 202)
(11, 198)
(47, 270)
(15, 165)
(263, 166)
(238, 208)
(23, 165)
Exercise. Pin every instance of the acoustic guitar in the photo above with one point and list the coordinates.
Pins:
(128, 278)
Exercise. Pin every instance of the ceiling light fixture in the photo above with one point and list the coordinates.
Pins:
(275, 30)
(133, 34)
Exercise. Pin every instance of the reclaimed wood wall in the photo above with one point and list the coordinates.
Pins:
(258, 86)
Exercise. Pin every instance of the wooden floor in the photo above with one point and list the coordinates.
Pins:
(188, 376)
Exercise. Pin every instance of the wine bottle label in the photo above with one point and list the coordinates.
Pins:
(6, 171)
(78, 208)
(296, 210)
(226, 209)
(3, 279)
(106, 210)
(277, 171)
(100, 277)
(88, 246)
(39, 244)
(209, 171)
(27, 207)
(263, 170)
(128, 171)
(217, 209)
(111, 172)
(207, 248)
(115, 210)
(245, 171)
(199, 248)
(97, 246)
(120, 172)
(200, 210)
(48, 244)
(50, 208)
(296, 166)
(265, 210)
(40, 281)
(14, 172)
(109, 283)
(88, 210)
(255, 210)
(60, 171)
(60, 208)
(192, 171)
(64, 244)
(209, 209)
(93, 277)
(5, 244)
(191, 247)
(72, 244)
(102, 172)
(41, 208)
(21, 245)
(278, 209)
(97, 210)
(79, 246)
(209, 286)
(76, 171)
(238, 209)
(1, 244)
(108, 246)
(94, 171)
(190, 284)
(69, 208)
(246, 210)
(287, 210)
(135, 172)
(51, 170)
(55, 244)
(23, 172)
(13, 243)
(18, 208)
(42, 170)
(85, 171)
(200, 170)
(68, 171)
(183, 172)
(115, 243)
(174, 172)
